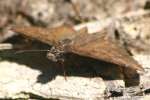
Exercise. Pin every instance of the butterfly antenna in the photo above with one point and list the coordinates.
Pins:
(22, 51)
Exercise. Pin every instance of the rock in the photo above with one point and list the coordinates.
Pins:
(39, 11)
(145, 77)
(102, 9)
(20, 81)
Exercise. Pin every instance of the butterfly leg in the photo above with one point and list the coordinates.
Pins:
(57, 55)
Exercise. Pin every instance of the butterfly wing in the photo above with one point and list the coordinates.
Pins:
(102, 47)
(97, 46)
(50, 36)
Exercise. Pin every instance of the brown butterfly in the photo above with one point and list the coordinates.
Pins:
(65, 39)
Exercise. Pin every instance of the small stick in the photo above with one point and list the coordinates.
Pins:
(5, 46)
(76, 10)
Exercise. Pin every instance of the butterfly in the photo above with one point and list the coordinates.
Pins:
(65, 39)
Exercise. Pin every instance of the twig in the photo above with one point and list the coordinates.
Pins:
(5, 46)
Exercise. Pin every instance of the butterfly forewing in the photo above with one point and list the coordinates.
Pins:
(102, 47)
